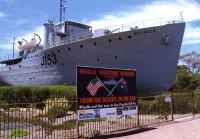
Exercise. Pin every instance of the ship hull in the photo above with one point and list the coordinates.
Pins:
(141, 49)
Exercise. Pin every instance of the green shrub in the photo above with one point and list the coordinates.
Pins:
(17, 132)
(6, 94)
(71, 96)
(71, 93)
(40, 94)
(57, 91)
(182, 103)
(96, 133)
(196, 101)
(15, 94)
(22, 94)
(43, 93)
(55, 108)
(154, 106)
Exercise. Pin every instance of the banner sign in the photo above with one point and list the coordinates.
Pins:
(105, 92)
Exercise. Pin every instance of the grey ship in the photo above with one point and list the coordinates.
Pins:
(152, 49)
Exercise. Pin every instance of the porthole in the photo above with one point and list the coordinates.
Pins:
(120, 38)
(58, 51)
(95, 43)
(81, 46)
(62, 64)
(97, 59)
(110, 40)
(129, 36)
(115, 57)
(69, 49)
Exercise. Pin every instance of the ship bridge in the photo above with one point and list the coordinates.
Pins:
(63, 29)
(69, 28)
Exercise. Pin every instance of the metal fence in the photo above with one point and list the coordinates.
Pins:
(58, 119)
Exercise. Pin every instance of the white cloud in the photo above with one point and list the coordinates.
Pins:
(19, 22)
(192, 34)
(2, 14)
(158, 9)
(28, 36)
(84, 20)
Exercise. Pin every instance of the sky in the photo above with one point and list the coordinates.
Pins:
(23, 18)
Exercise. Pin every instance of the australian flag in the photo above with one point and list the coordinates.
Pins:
(123, 86)
(94, 85)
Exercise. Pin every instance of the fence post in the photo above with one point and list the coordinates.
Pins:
(165, 105)
(172, 106)
(77, 123)
(138, 117)
(193, 103)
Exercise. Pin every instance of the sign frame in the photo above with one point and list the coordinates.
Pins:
(105, 92)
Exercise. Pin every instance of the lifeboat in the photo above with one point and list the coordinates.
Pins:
(28, 46)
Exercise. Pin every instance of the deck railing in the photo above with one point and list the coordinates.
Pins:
(119, 28)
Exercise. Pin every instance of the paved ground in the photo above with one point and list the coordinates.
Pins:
(185, 128)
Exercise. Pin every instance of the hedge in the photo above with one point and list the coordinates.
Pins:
(27, 94)
(182, 104)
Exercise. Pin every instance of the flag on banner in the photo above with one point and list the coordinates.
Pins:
(124, 86)
(94, 85)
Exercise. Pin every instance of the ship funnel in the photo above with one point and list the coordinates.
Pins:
(47, 32)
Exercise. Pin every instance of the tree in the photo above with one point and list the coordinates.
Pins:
(187, 75)
(186, 81)
(191, 61)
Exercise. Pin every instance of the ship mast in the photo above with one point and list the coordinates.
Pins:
(13, 43)
(61, 9)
